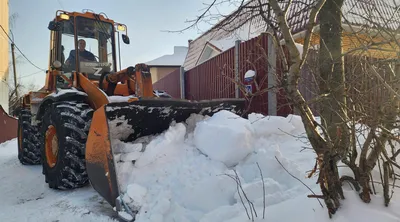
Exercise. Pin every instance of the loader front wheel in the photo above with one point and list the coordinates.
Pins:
(28, 142)
(65, 126)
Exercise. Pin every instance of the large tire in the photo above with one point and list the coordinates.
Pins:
(28, 142)
(70, 123)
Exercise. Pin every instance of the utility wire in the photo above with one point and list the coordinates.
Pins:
(59, 2)
(21, 77)
(35, 73)
(20, 50)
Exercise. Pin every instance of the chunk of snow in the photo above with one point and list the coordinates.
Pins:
(136, 193)
(224, 137)
(249, 74)
(119, 99)
(119, 128)
(267, 125)
(125, 216)
(296, 121)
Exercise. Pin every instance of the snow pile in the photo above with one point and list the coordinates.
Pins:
(191, 171)
(209, 169)
(228, 169)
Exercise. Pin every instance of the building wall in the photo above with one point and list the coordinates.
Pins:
(8, 126)
(158, 73)
(170, 84)
(4, 47)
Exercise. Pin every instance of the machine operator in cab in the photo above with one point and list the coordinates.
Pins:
(84, 55)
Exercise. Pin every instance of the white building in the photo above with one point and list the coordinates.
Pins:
(166, 64)
(4, 56)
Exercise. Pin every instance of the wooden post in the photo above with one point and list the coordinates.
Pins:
(237, 79)
(182, 82)
(272, 100)
(15, 71)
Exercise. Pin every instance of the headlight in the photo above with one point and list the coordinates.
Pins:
(57, 64)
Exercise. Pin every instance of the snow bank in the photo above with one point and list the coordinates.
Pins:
(206, 169)
(190, 172)
(209, 168)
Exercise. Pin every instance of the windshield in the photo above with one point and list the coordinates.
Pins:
(94, 47)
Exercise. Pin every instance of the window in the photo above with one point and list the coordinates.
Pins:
(93, 46)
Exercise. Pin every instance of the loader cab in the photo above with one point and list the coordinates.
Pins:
(82, 42)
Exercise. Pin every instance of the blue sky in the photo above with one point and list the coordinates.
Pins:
(145, 20)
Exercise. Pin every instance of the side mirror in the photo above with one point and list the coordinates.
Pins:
(54, 26)
(125, 39)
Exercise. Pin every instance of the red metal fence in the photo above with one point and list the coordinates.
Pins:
(8, 126)
(170, 83)
(212, 79)
(215, 78)
(253, 55)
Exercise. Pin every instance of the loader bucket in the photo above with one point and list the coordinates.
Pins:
(129, 121)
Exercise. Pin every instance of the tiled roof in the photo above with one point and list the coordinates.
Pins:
(248, 23)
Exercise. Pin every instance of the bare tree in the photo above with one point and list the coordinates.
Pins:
(15, 86)
(13, 100)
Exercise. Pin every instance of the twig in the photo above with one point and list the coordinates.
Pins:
(316, 196)
(381, 183)
(262, 178)
(350, 184)
(389, 159)
(386, 182)
(251, 205)
(314, 169)
(240, 196)
(372, 183)
(381, 174)
(305, 148)
(299, 180)
(384, 82)
(394, 182)
(352, 181)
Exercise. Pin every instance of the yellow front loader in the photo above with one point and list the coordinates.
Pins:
(68, 126)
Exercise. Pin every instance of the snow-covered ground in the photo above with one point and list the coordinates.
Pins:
(24, 196)
(191, 173)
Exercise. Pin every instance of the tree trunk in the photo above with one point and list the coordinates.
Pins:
(333, 108)
(332, 81)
